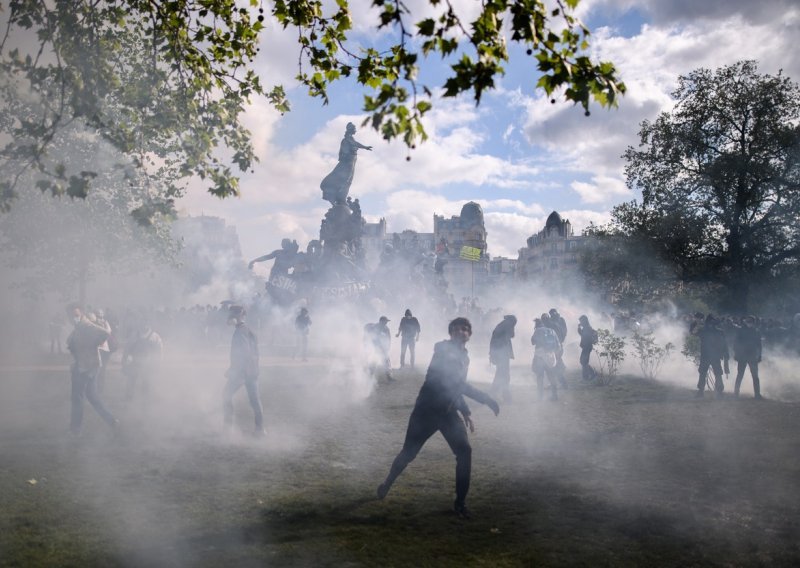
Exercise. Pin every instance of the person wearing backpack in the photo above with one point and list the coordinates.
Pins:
(550, 322)
(547, 350)
(589, 338)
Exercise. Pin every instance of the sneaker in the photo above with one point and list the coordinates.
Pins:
(699, 394)
(461, 510)
(758, 397)
(383, 490)
(259, 433)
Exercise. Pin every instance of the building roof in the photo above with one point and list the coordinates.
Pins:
(554, 220)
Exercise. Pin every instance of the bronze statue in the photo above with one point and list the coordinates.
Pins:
(285, 258)
(337, 183)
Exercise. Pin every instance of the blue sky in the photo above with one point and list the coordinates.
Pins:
(516, 154)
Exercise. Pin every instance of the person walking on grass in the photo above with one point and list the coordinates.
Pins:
(589, 338)
(546, 354)
(713, 354)
(243, 370)
(501, 352)
(409, 329)
(84, 343)
(747, 352)
(441, 407)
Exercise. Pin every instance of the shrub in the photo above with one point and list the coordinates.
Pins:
(649, 353)
(611, 354)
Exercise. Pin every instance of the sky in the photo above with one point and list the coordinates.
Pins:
(516, 154)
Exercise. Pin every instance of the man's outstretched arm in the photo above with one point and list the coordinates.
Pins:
(482, 397)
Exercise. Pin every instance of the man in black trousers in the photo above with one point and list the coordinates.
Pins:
(438, 405)
(243, 371)
(747, 352)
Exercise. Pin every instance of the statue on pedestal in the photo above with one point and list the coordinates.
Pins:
(337, 183)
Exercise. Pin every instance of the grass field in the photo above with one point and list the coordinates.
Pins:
(634, 474)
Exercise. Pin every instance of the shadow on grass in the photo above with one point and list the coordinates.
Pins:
(523, 523)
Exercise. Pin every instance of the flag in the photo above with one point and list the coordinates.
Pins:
(470, 253)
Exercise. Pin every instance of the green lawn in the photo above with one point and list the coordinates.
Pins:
(635, 474)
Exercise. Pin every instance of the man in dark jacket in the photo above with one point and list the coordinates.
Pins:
(501, 351)
(409, 329)
(438, 405)
(747, 351)
(713, 351)
(588, 339)
(559, 324)
(243, 370)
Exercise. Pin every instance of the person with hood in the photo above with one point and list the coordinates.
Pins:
(501, 352)
(441, 407)
(409, 329)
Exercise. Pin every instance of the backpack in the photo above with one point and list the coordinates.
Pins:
(548, 340)
(595, 338)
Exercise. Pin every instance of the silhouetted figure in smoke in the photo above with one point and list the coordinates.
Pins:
(560, 368)
(141, 359)
(302, 323)
(83, 343)
(336, 184)
(243, 371)
(501, 351)
(559, 324)
(438, 405)
(588, 337)
(547, 350)
(747, 352)
(285, 258)
(713, 351)
(378, 339)
(409, 329)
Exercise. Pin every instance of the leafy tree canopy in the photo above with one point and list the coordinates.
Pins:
(720, 179)
(166, 82)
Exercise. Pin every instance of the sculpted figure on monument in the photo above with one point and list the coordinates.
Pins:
(337, 183)
(285, 258)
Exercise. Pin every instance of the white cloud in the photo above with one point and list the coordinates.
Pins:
(650, 64)
(603, 189)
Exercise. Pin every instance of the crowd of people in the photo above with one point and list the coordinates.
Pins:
(440, 405)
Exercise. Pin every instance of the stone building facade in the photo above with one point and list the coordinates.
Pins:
(553, 250)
